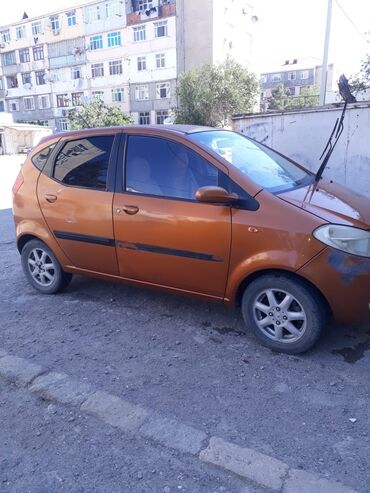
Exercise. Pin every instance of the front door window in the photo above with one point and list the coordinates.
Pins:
(166, 168)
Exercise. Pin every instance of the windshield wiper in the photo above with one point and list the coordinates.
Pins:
(332, 142)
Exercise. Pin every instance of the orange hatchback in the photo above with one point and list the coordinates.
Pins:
(197, 211)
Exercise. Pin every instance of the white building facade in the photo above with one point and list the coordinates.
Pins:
(128, 53)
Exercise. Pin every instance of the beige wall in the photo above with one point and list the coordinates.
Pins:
(210, 33)
(195, 33)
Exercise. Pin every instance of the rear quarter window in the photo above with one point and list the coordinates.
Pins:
(40, 159)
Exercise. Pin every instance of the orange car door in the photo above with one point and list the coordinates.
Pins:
(163, 235)
(77, 204)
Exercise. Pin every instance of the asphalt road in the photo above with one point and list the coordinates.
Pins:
(188, 360)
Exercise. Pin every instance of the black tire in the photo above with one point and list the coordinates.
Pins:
(57, 279)
(306, 305)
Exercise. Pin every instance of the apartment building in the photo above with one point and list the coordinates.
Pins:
(129, 53)
(295, 75)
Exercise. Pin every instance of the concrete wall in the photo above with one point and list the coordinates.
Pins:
(303, 135)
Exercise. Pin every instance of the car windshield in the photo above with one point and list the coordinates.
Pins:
(261, 164)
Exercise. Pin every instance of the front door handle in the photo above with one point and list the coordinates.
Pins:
(130, 209)
(50, 197)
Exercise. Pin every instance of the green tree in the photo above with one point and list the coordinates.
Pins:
(361, 80)
(211, 94)
(97, 114)
(281, 100)
(308, 98)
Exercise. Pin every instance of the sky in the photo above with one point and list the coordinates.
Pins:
(286, 29)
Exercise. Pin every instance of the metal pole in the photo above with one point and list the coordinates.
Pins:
(324, 69)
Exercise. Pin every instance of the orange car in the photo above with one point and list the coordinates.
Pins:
(198, 211)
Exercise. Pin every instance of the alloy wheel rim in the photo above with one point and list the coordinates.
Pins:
(41, 267)
(279, 315)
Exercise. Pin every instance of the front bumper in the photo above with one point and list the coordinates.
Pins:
(344, 280)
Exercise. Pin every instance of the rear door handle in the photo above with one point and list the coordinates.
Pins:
(130, 209)
(50, 197)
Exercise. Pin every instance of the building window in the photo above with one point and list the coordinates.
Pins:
(93, 13)
(304, 74)
(163, 90)
(160, 29)
(40, 77)
(76, 73)
(26, 78)
(43, 123)
(11, 82)
(71, 18)
(98, 95)
(161, 116)
(304, 88)
(115, 67)
(24, 55)
(8, 58)
(141, 63)
(291, 91)
(291, 76)
(2, 107)
(145, 4)
(29, 103)
(142, 92)
(144, 118)
(112, 8)
(13, 105)
(20, 32)
(54, 23)
(76, 98)
(38, 53)
(63, 100)
(44, 102)
(97, 70)
(263, 79)
(139, 33)
(276, 77)
(114, 39)
(160, 60)
(5, 36)
(96, 42)
(36, 28)
(63, 125)
(117, 95)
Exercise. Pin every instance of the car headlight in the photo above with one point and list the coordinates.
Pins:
(351, 240)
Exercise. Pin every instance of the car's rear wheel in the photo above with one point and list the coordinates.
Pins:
(42, 269)
(284, 313)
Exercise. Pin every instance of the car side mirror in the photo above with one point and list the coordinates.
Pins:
(215, 195)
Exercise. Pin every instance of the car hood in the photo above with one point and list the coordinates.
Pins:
(332, 202)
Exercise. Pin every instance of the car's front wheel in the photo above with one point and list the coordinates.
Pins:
(42, 269)
(283, 312)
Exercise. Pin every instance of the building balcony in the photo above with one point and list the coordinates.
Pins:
(10, 69)
(66, 61)
(166, 10)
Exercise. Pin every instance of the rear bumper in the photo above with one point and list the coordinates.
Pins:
(344, 280)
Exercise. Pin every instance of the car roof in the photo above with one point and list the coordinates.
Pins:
(170, 129)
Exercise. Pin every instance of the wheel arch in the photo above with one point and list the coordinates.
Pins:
(292, 275)
(24, 239)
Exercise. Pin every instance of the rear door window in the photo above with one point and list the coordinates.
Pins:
(84, 162)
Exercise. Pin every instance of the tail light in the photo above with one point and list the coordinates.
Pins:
(18, 183)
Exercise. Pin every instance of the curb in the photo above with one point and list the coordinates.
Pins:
(260, 469)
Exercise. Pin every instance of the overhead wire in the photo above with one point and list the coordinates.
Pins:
(351, 21)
